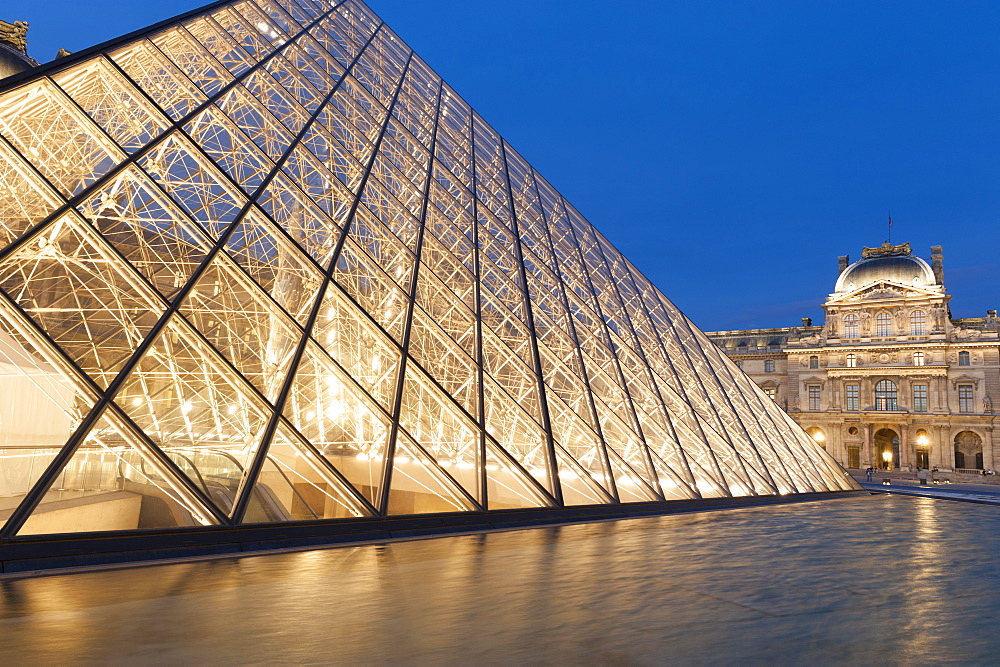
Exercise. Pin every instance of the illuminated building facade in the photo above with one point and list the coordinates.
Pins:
(890, 380)
(260, 264)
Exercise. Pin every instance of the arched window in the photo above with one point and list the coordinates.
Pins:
(769, 365)
(963, 358)
(852, 360)
(918, 358)
(885, 395)
(850, 326)
(883, 324)
(918, 323)
(814, 361)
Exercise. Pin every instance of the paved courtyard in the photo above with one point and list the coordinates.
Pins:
(862, 580)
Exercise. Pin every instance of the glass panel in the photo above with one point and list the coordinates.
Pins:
(148, 229)
(508, 486)
(340, 421)
(517, 432)
(112, 103)
(294, 485)
(195, 408)
(192, 59)
(279, 267)
(82, 295)
(43, 404)
(25, 200)
(159, 78)
(578, 485)
(443, 432)
(419, 486)
(357, 344)
(195, 183)
(247, 327)
(56, 136)
(113, 482)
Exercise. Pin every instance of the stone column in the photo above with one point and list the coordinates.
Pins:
(938, 448)
(904, 448)
(866, 448)
(989, 448)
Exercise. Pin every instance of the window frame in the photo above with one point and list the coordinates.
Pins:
(883, 324)
(920, 395)
(815, 393)
(886, 396)
(918, 323)
(966, 399)
(852, 396)
(851, 323)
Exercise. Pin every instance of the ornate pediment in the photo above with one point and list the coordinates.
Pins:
(885, 289)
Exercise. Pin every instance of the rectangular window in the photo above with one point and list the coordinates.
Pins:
(965, 398)
(853, 397)
(772, 393)
(853, 457)
(814, 398)
(768, 366)
(920, 398)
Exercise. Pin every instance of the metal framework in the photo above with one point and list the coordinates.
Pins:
(261, 264)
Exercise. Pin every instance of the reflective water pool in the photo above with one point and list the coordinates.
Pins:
(859, 580)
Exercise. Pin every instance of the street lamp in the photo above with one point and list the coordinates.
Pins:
(818, 436)
(922, 440)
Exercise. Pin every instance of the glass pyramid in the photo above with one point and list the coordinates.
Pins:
(261, 264)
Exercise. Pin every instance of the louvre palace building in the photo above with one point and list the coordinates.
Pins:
(891, 379)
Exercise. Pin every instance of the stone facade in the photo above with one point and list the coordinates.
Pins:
(890, 379)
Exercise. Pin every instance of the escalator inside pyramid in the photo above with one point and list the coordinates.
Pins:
(261, 264)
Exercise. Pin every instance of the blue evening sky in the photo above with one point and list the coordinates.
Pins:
(730, 149)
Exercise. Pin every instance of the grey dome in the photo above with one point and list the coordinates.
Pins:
(902, 269)
(13, 61)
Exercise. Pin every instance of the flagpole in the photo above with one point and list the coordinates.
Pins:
(889, 240)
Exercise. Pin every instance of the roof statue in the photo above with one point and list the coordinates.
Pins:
(886, 250)
(15, 35)
(262, 265)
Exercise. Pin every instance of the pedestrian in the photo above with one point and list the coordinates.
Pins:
(868, 474)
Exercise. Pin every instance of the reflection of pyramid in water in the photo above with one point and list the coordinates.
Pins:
(263, 265)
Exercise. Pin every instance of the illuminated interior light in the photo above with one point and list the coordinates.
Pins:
(186, 407)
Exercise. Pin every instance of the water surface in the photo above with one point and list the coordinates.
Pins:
(860, 580)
